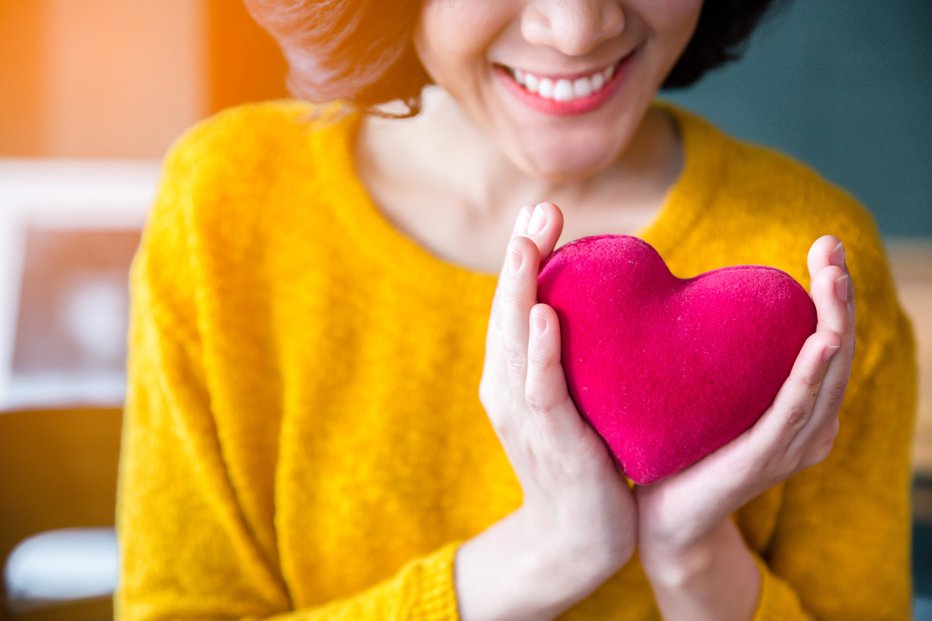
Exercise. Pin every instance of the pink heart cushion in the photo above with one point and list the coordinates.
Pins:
(665, 369)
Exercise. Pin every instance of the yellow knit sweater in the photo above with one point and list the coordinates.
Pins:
(304, 438)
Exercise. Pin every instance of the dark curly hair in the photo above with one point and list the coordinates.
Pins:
(360, 52)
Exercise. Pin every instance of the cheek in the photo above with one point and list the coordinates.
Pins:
(672, 20)
(452, 35)
(669, 25)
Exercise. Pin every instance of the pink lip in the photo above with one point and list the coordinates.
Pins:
(565, 108)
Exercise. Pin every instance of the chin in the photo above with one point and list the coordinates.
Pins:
(558, 153)
(567, 164)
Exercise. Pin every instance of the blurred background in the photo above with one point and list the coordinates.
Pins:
(93, 92)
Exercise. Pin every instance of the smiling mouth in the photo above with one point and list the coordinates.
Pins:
(564, 94)
(564, 88)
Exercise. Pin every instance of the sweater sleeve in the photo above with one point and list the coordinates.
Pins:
(841, 547)
(188, 548)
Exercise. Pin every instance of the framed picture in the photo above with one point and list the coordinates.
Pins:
(68, 233)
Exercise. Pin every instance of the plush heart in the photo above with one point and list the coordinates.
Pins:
(665, 369)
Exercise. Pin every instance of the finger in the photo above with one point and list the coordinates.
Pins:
(545, 390)
(495, 369)
(518, 289)
(545, 227)
(832, 292)
(824, 423)
(519, 228)
(825, 251)
(521, 222)
(828, 266)
(832, 288)
(793, 406)
(823, 420)
(816, 448)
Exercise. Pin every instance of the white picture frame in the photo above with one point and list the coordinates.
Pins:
(59, 199)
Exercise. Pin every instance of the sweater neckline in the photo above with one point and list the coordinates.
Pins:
(690, 195)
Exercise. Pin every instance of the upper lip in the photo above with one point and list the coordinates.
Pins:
(567, 75)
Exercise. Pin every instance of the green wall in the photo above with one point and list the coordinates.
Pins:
(847, 88)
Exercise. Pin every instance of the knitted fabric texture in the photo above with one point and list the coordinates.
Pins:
(303, 436)
(667, 370)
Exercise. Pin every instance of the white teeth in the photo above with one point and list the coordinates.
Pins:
(598, 82)
(582, 87)
(531, 82)
(563, 89)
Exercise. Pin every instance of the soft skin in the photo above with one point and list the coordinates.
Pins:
(536, 562)
(698, 565)
(460, 42)
(610, 167)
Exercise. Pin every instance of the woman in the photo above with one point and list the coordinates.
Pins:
(338, 409)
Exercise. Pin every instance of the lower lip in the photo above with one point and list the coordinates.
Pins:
(566, 108)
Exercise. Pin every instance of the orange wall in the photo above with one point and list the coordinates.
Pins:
(244, 63)
(21, 84)
(123, 78)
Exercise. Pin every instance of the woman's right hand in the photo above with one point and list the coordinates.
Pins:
(577, 524)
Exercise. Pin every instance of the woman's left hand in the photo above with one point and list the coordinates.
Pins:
(796, 432)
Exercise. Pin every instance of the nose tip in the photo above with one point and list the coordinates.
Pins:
(574, 27)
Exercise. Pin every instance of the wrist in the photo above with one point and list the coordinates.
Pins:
(521, 569)
(674, 563)
(713, 578)
(501, 575)
(564, 563)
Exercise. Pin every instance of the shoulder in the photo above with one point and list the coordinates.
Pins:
(768, 187)
(247, 141)
(235, 184)
(769, 207)
(231, 177)
(767, 200)
(256, 119)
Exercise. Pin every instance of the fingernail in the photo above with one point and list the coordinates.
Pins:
(538, 220)
(837, 256)
(841, 288)
(515, 259)
(829, 352)
(521, 222)
(538, 325)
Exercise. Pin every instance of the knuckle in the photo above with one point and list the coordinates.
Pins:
(540, 401)
(538, 361)
(510, 292)
(796, 416)
(536, 358)
(504, 303)
(498, 320)
(811, 378)
(515, 359)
